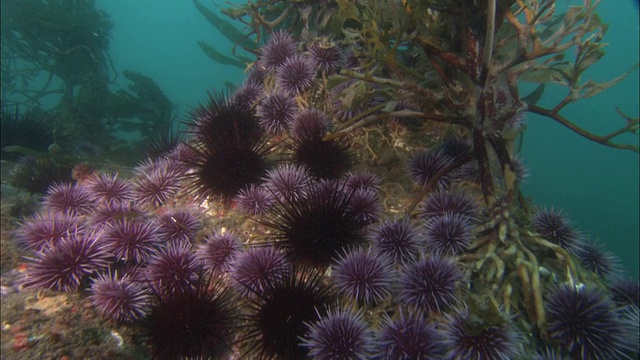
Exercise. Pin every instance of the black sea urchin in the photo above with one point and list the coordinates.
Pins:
(279, 313)
(325, 159)
(229, 149)
(314, 228)
(196, 323)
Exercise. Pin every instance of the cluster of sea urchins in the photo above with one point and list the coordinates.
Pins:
(327, 275)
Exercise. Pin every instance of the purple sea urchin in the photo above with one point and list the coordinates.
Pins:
(441, 203)
(229, 150)
(430, 285)
(131, 240)
(625, 291)
(119, 298)
(327, 56)
(107, 188)
(398, 239)
(363, 180)
(470, 338)
(315, 228)
(409, 337)
(276, 111)
(279, 47)
(449, 234)
(69, 199)
(173, 269)
(426, 165)
(554, 226)
(181, 224)
(158, 185)
(595, 258)
(257, 267)
(365, 205)
(325, 159)
(219, 251)
(195, 323)
(247, 95)
(296, 74)
(278, 315)
(586, 323)
(254, 200)
(363, 276)
(287, 182)
(65, 265)
(112, 212)
(341, 334)
(46, 229)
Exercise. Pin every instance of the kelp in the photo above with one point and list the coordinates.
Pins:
(239, 61)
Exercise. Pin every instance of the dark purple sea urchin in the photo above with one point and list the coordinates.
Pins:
(409, 336)
(363, 276)
(423, 167)
(449, 234)
(131, 240)
(119, 297)
(276, 111)
(398, 239)
(296, 74)
(255, 268)
(586, 323)
(65, 265)
(46, 229)
(430, 285)
(69, 199)
(219, 251)
(341, 334)
(279, 47)
(468, 337)
(554, 226)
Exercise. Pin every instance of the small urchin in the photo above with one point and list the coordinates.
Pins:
(408, 336)
(398, 239)
(119, 297)
(363, 276)
(556, 227)
(442, 202)
(430, 167)
(594, 257)
(255, 268)
(66, 265)
(276, 111)
(469, 338)
(327, 55)
(431, 284)
(296, 75)
(179, 224)
(586, 323)
(279, 47)
(173, 268)
(341, 334)
(198, 322)
(131, 240)
(219, 251)
(69, 199)
(449, 234)
(254, 200)
(278, 315)
(108, 188)
(46, 229)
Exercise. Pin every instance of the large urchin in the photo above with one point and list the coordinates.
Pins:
(315, 228)
(587, 324)
(278, 315)
(196, 323)
(229, 149)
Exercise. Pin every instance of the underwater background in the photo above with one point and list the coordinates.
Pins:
(596, 186)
